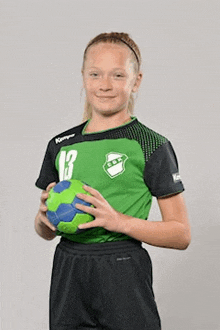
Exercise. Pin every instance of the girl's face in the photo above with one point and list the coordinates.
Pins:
(109, 78)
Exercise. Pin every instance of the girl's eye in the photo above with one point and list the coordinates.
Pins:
(94, 74)
(119, 75)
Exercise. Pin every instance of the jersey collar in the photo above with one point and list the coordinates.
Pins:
(133, 118)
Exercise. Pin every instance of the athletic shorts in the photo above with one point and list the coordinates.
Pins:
(106, 286)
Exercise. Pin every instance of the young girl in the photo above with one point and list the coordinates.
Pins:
(102, 276)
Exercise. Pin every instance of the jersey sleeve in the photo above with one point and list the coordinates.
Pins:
(161, 173)
(48, 172)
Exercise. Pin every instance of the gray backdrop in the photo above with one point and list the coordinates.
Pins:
(41, 57)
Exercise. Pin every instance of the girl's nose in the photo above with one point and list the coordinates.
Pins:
(105, 84)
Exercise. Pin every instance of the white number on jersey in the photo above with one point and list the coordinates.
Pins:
(66, 165)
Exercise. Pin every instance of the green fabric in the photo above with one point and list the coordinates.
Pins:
(115, 168)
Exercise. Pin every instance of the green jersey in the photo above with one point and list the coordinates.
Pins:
(127, 164)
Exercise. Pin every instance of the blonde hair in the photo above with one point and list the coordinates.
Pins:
(115, 38)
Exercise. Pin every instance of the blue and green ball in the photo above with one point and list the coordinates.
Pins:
(61, 202)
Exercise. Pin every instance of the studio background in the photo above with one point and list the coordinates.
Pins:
(41, 58)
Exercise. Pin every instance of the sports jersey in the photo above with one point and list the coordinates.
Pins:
(128, 165)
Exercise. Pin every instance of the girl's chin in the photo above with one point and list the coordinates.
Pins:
(106, 112)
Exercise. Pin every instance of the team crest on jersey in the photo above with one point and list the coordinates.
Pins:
(115, 164)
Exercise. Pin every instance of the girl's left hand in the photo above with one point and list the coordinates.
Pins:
(105, 216)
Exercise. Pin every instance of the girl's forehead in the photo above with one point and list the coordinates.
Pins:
(108, 52)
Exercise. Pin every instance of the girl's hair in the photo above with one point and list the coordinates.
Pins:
(114, 38)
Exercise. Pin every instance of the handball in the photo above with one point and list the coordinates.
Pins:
(62, 212)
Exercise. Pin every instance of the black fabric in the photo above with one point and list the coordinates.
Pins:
(102, 286)
(48, 172)
(161, 172)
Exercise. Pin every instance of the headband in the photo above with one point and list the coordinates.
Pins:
(122, 40)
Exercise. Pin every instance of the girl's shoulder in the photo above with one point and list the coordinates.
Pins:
(149, 133)
(67, 134)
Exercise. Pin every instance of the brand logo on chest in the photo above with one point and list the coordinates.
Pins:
(115, 164)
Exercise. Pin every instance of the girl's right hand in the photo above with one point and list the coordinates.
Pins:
(42, 217)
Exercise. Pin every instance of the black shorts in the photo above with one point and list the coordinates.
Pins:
(104, 286)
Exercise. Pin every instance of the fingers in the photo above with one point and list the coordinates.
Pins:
(50, 186)
(45, 193)
(41, 220)
(86, 209)
(87, 198)
(43, 198)
(92, 191)
(46, 222)
(95, 198)
(88, 225)
(41, 217)
(43, 207)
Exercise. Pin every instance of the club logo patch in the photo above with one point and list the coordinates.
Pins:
(115, 164)
(176, 177)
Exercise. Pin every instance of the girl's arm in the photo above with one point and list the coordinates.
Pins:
(42, 225)
(172, 232)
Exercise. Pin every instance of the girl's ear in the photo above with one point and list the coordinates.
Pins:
(137, 82)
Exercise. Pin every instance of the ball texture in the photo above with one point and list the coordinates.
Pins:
(62, 212)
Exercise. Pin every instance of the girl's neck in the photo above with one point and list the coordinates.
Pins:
(101, 123)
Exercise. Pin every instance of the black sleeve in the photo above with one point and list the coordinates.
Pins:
(161, 172)
(48, 172)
